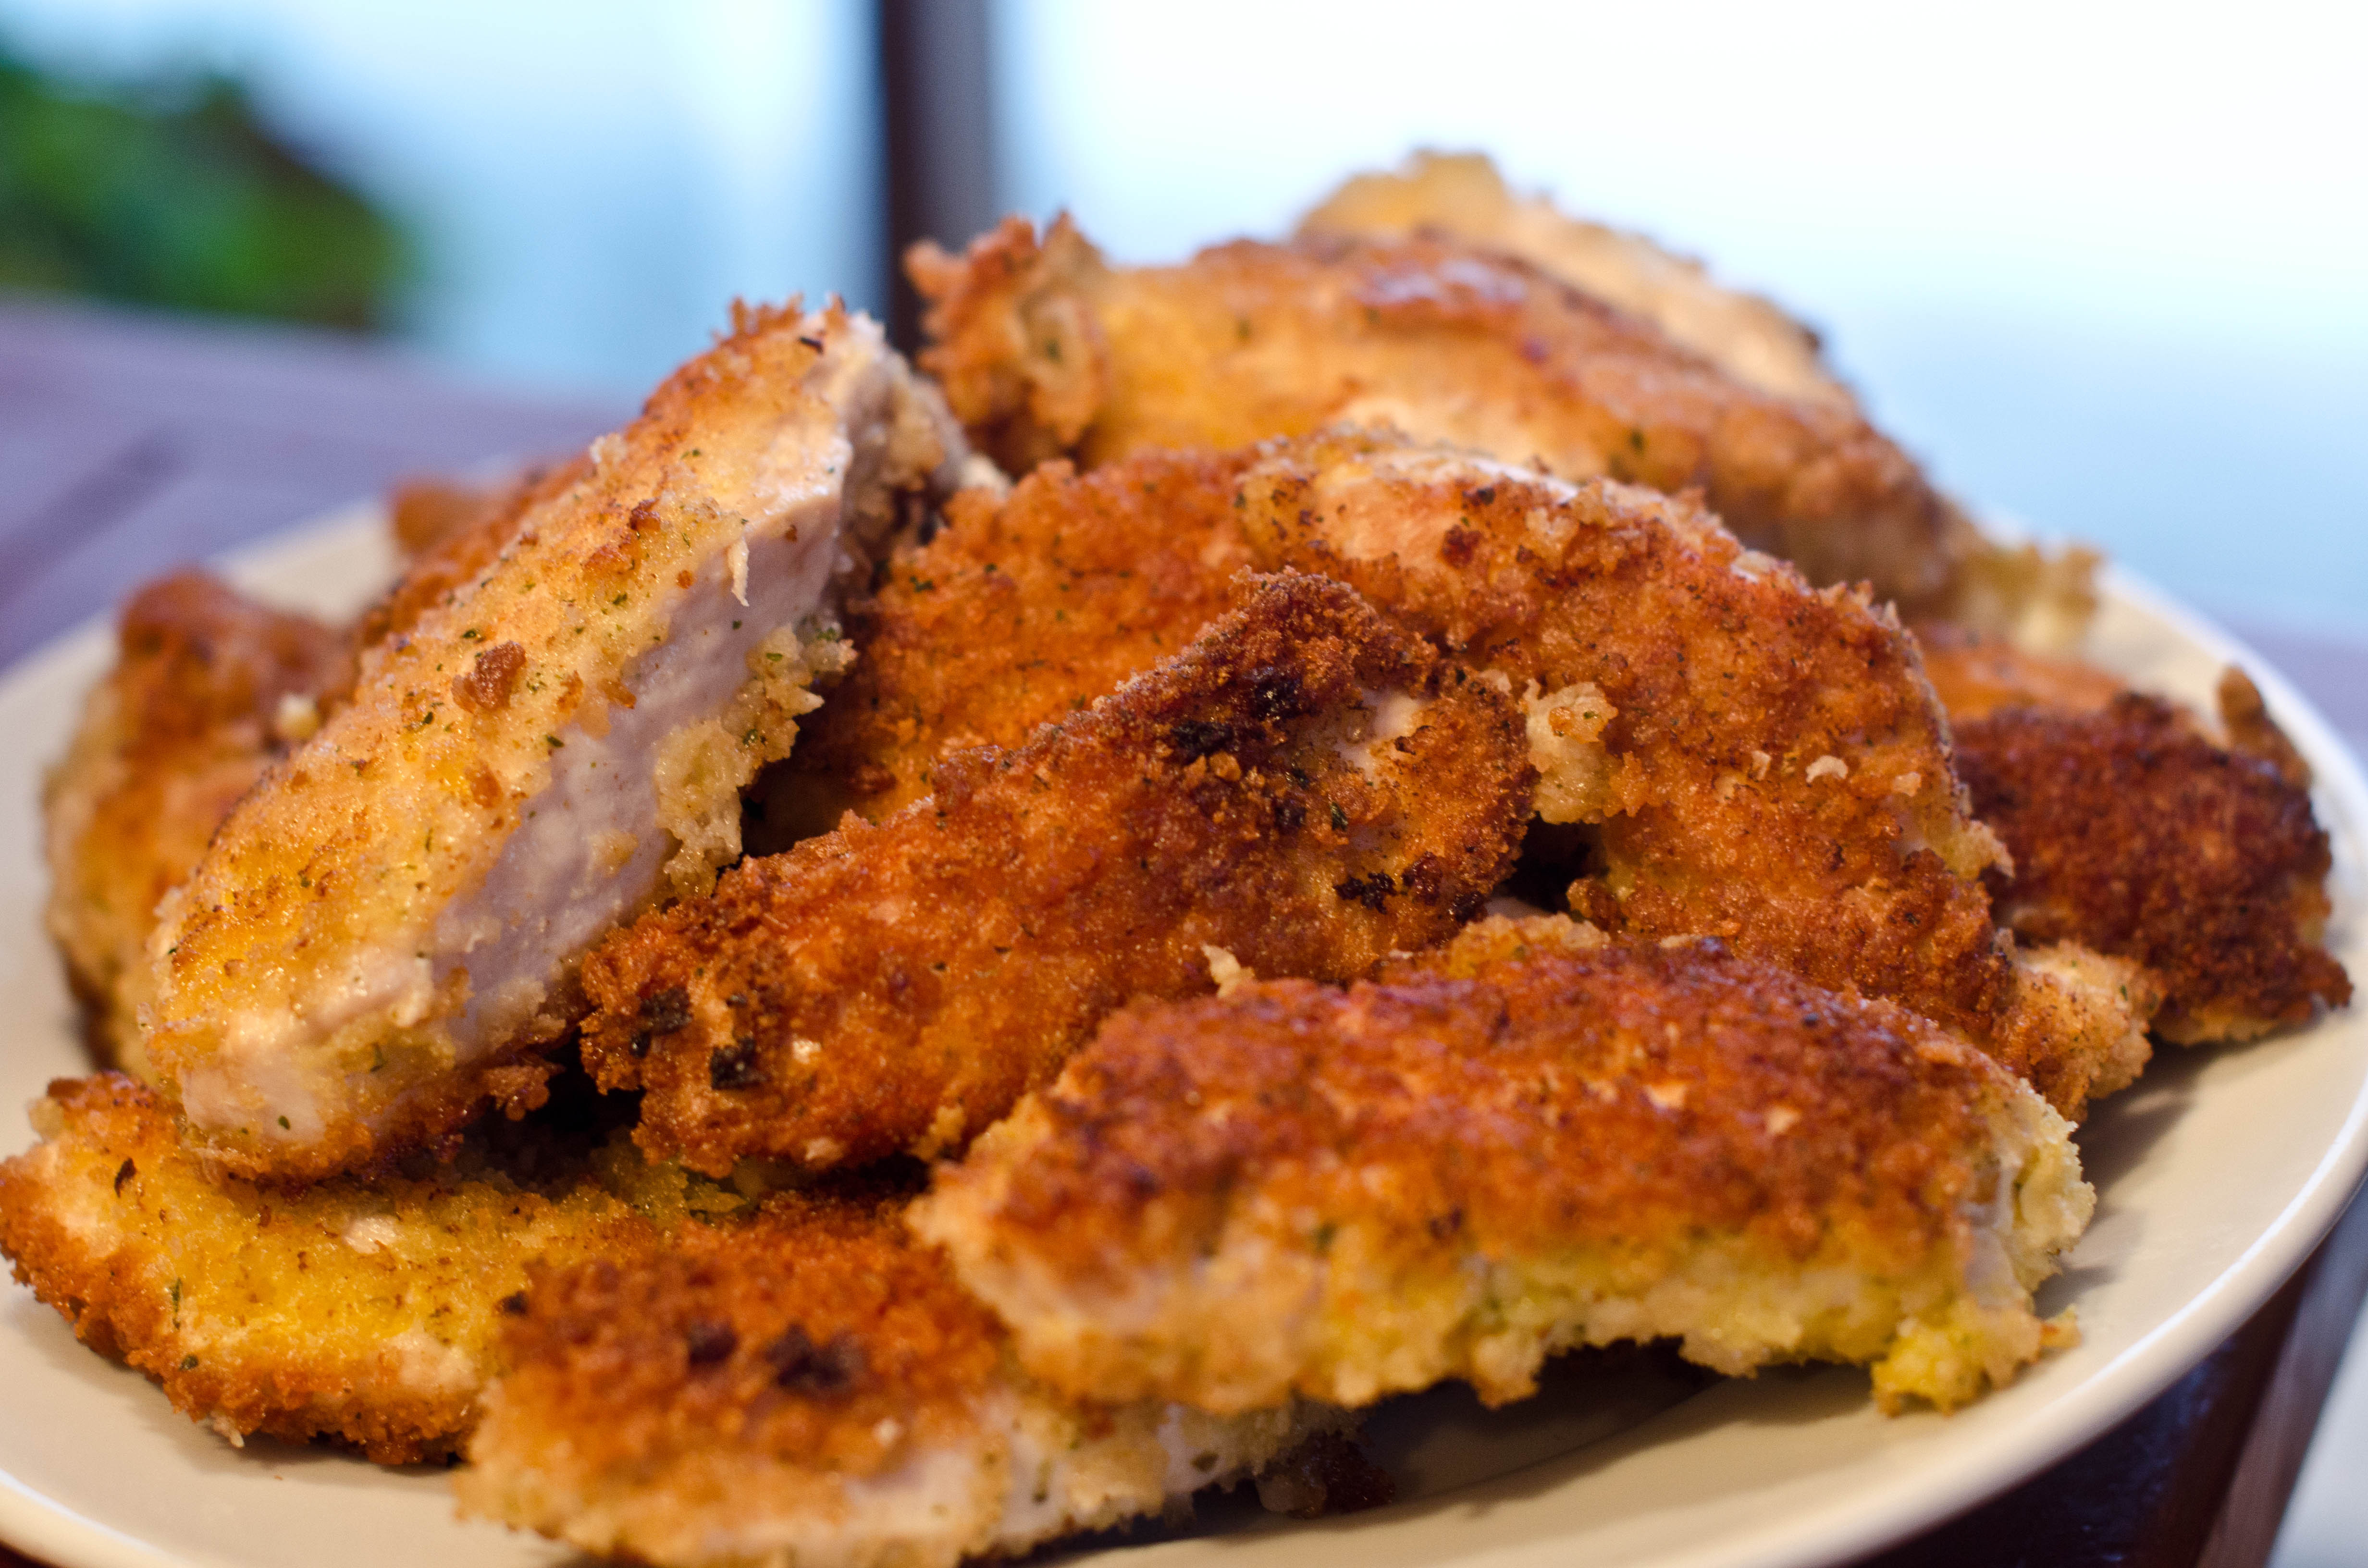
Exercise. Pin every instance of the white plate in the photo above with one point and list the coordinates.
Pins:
(2218, 1173)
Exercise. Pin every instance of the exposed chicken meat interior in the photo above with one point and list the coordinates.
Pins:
(385, 932)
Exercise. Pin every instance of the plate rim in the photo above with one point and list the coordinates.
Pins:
(1863, 1522)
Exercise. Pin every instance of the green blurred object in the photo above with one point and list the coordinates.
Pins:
(181, 197)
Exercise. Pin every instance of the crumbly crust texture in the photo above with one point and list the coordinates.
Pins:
(897, 987)
(1538, 1139)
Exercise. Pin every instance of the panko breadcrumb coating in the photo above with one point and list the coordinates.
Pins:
(2044, 598)
(362, 1312)
(812, 1390)
(208, 688)
(1754, 759)
(1046, 350)
(1017, 611)
(1462, 195)
(1537, 1141)
(1303, 787)
(2134, 834)
(384, 933)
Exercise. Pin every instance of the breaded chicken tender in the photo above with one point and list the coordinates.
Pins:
(1462, 196)
(384, 933)
(1755, 760)
(1303, 787)
(2135, 835)
(208, 686)
(2134, 832)
(812, 1390)
(365, 1312)
(1534, 1141)
(1045, 351)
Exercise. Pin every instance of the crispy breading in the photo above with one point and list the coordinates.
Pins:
(1462, 195)
(452, 534)
(1539, 1141)
(1045, 350)
(208, 688)
(812, 1390)
(1303, 787)
(365, 1312)
(1020, 610)
(2135, 835)
(1755, 760)
(2134, 832)
(395, 914)
(2041, 597)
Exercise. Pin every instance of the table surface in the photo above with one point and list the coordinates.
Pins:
(131, 444)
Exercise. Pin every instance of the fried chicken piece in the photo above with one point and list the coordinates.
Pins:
(814, 1390)
(1752, 759)
(1534, 1141)
(365, 1312)
(1046, 351)
(1462, 196)
(208, 686)
(2042, 598)
(2135, 835)
(387, 928)
(1302, 788)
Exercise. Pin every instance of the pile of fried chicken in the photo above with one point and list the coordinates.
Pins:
(892, 963)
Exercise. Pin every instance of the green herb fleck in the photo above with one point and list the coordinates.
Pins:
(1339, 817)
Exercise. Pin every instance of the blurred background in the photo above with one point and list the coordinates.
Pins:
(2100, 266)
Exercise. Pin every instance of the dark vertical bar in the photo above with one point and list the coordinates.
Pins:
(938, 133)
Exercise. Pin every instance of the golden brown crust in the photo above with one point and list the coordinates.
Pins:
(1044, 351)
(178, 732)
(1508, 1111)
(1774, 770)
(452, 534)
(317, 1010)
(898, 986)
(1462, 195)
(2135, 835)
(1344, 1193)
(366, 1313)
(794, 1336)
(1019, 611)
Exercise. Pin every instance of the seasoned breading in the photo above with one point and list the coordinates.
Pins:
(812, 1390)
(1462, 195)
(1019, 611)
(365, 1312)
(385, 933)
(1535, 1142)
(451, 535)
(2135, 835)
(1755, 760)
(1303, 787)
(208, 688)
(2039, 598)
(1046, 351)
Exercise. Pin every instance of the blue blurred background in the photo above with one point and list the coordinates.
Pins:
(2102, 266)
